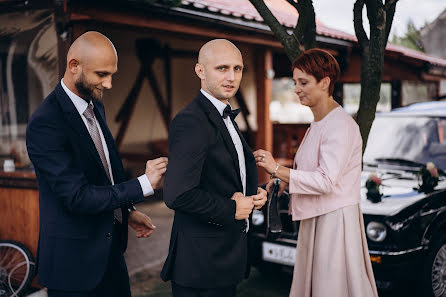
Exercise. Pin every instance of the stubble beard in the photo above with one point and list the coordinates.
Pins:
(86, 90)
(225, 96)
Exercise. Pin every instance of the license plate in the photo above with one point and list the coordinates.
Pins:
(277, 253)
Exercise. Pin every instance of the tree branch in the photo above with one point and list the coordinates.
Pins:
(357, 21)
(304, 33)
(310, 24)
(372, 11)
(277, 29)
(296, 5)
(390, 3)
(289, 42)
(390, 12)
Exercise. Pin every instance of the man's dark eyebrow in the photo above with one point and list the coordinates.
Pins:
(227, 66)
(104, 72)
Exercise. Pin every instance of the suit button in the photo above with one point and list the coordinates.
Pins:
(108, 235)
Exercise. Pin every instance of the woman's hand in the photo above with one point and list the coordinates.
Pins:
(265, 159)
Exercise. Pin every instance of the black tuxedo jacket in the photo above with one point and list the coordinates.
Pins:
(76, 199)
(208, 248)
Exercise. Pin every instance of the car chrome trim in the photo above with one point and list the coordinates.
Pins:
(396, 253)
(293, 241)
(285, 240)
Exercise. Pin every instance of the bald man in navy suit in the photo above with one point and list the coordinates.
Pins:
(85, 201)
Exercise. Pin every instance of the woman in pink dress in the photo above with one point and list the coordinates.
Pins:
(332, 257)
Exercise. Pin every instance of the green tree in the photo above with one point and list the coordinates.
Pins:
(380, 15)
(412, 38)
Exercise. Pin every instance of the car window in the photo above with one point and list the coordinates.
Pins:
(416, 139)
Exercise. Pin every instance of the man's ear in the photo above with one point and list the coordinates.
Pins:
(74, 66)
(199, 70)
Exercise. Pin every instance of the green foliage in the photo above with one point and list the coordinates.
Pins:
(412, 38)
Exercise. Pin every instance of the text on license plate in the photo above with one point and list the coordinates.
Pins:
(277, 253)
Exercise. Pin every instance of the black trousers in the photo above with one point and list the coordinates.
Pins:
(115, 282)
(180, 291)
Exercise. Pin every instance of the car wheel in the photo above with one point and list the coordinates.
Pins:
(435, 270)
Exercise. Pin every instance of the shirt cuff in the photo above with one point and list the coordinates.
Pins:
(146, 187)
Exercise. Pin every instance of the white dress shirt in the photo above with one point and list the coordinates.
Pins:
(81, 105)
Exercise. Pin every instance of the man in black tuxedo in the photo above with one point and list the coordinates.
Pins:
(211, 183)
(85, 202)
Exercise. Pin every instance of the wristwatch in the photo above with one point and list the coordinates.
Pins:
(131, 208)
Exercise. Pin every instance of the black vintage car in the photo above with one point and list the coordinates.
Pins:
(406, 230)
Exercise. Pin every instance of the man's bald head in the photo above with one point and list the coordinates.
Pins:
(89, 46)
(91, 62)
(215, 48)
(220, 68)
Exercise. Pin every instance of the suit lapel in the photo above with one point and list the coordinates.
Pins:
(217, 120)
(75, 121)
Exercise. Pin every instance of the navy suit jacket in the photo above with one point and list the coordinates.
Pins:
(208, 248)
(76, 199)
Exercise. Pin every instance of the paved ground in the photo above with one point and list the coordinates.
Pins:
(145, 258)
(150, 253)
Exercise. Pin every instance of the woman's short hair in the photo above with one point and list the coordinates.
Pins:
(319, 63)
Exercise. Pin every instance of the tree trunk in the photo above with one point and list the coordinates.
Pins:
(371, 76)
(380, 17)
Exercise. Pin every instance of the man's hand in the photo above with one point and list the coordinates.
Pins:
(283, 185)
(155, 170)
(141, 223)
(260, 199)
(244, 206)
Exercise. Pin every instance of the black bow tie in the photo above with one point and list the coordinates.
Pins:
(229, 112)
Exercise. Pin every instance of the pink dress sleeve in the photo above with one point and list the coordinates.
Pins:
(334, 151)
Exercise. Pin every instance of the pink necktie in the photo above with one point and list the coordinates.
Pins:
(96, 137)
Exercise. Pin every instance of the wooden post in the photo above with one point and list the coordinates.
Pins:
(264, 138)
(64, 34)
(396, 93)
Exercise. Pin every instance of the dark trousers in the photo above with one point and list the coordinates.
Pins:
(115, 282)
(180, 291)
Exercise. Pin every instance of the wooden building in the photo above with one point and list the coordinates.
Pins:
(433, 38)
(157, 48)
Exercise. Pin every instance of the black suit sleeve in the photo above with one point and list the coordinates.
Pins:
(188, 145)
(53, 158)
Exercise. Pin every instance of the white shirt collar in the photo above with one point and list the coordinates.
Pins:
(220, 106)
(80, 104)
